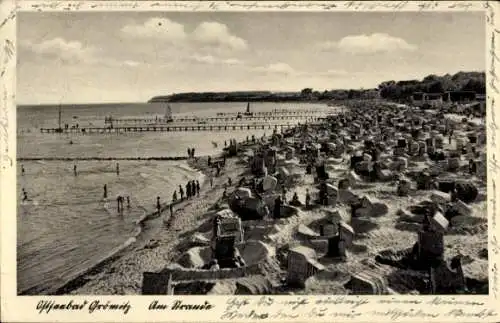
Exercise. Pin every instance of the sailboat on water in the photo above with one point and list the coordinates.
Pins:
(168, 113)
(247, 112)
(59, 128)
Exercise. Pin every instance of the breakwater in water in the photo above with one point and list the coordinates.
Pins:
(100, 158)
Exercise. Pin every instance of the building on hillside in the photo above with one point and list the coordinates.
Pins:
(459, 96)
(421, 99)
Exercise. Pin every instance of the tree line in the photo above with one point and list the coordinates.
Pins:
(461, 81)
(389, 90)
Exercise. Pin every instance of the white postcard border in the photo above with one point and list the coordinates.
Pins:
(370, 308)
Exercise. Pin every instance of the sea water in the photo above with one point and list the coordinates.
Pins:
(67, 226)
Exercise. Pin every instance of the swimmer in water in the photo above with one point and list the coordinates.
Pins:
(158, 205)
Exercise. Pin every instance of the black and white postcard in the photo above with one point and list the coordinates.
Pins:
(249, 161)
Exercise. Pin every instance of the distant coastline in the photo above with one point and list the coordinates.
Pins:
(388, 90)
(305, 96)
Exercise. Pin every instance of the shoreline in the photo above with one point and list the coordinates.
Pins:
(164, 233)
(135, 242)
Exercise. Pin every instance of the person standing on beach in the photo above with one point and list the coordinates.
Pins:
(22, 170)
(105, 191)
(128, 202)
(192, 152)
(118, 204)
(74, 170)
(171, 207)
(181, 192)
(308, 198)
(193, 189)
(188, 190)
(211, 181)
(117, 169)
(174, 197)
(197, 188)
(158, 205)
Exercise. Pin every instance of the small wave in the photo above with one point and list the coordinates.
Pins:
(185, 167)
(29, 202)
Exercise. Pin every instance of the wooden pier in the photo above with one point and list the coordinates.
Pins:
(161, 120)
(167, 128)
(278, 112)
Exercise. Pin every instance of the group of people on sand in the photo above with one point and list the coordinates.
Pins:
(190, 152)
(192, 190)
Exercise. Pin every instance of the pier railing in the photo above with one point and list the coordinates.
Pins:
(168, 128)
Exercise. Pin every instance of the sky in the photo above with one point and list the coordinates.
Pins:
(97, 57)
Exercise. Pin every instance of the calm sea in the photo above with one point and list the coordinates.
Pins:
(66, 226)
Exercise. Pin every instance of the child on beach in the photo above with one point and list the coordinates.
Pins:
(197, 188)
(188, 190)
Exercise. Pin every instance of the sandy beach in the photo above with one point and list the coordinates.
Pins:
(388, 235)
